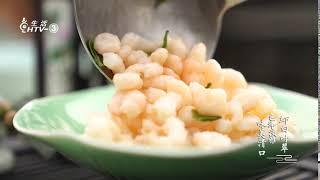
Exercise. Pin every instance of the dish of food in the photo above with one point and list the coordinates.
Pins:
(171, 95)
(60, 122)
(158, 122)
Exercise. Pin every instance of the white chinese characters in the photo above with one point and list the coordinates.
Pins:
(261, 138)
(284, 137)
(267, 133)
(37, 26)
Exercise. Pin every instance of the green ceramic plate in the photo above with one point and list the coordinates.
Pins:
(59, 121)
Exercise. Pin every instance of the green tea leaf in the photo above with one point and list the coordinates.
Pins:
(158, 3)
(165, 39)
(2, 112)
(200, 117)
(96, 56)
(208, 85)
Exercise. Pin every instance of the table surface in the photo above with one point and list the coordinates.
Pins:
(31, 165)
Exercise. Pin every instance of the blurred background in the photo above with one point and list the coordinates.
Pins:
(269, 41)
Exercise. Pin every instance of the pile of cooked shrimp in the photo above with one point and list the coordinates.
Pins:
(171, 95)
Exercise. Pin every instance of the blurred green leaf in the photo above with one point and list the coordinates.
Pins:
(97, 57)
(200, 117)
(165, 39)
(158, 3)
